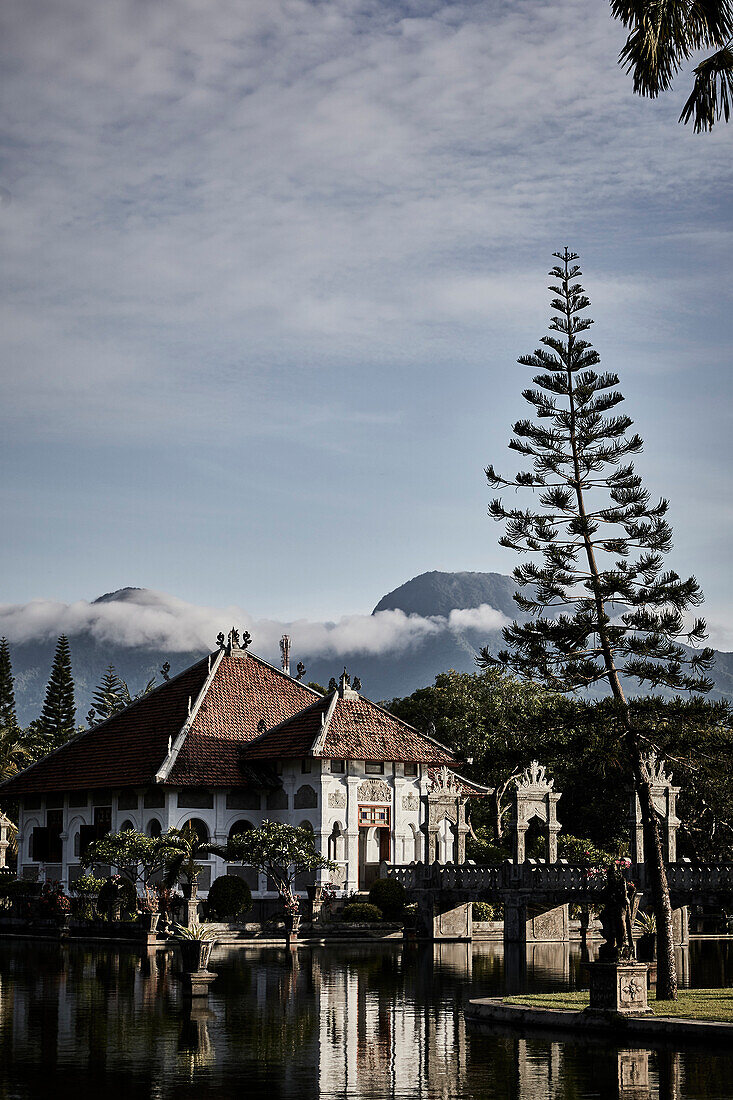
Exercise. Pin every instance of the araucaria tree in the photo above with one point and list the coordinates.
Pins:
(601, 605)
(59, 709)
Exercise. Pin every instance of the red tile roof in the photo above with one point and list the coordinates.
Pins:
(356, 729)
(126, 750)
(211, 746)
(245, 690)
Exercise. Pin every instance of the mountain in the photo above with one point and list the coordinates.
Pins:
(446, 600)
(440, 593)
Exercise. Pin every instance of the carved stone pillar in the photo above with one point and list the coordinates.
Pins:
(664, 797)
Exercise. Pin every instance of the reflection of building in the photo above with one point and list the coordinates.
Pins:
(233, 741)
(377, 1040)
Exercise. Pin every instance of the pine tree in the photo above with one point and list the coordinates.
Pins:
(114, 695)
(614, 613)
(108, 697)
(8, 717)
(59, 710)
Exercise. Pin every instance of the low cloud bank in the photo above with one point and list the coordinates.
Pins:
(154, 620)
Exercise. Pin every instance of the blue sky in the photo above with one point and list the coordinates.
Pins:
(268, 266)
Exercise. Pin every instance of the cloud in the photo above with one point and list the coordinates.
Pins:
(154, 620)
(231, 192)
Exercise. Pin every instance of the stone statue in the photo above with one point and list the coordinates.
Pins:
(617, 917)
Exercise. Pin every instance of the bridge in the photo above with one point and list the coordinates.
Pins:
(535, 894)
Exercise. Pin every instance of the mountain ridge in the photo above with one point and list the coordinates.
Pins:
(433, 595)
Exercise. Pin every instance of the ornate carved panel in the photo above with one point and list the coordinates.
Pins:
(410, 802)
(374, 790)
(337, 800)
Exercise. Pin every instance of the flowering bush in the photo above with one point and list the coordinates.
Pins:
(53, 902)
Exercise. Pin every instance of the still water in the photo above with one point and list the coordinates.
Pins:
(327, 1023)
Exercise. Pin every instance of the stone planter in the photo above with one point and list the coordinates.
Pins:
(195, 955)
(149, 922)
(646, 947)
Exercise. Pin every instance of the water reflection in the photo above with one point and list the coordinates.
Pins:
(358, 1021)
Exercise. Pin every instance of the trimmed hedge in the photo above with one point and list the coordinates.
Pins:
(361, 912)
(389, 896)
(229, 896)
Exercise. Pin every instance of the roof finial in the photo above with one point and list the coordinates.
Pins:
(344, 687)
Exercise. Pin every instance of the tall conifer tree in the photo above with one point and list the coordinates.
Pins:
(8, 718)
(615, 614)
(59, 709)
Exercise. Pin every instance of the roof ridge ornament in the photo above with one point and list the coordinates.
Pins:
(345, 689)
(657, 771)
(231, 642)
(445, 782)
(534, 778)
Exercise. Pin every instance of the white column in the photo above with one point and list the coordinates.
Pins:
(352, 833)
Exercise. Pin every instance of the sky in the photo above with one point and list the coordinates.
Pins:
(267, 269)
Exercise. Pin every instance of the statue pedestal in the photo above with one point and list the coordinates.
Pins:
(619, 988)
(197, 983)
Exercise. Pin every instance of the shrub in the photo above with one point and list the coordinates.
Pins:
(118, 889)
(388, 895)
(86, 886)
(482, 910)
(361, 912)
(228, 897)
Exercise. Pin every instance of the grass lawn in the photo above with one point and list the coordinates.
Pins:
(693, 1004)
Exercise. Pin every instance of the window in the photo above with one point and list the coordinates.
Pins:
(374, 767)
(410, 768)
(127, 826)
(154, 828)
(337, 767)
(374, 815)
(127, 800)
(195, 800)
(305, 765)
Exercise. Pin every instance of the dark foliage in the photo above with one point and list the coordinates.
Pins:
(389, 896)
(229, 897)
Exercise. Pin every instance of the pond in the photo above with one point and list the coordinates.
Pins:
(325, 1022)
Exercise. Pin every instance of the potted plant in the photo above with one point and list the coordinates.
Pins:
(179, 850)
(195, 943)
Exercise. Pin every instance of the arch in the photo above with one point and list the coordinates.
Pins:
(73, 830)
(240, 826)
(446, 841)
(127, 826)
(202, 829)
(305, 798)
(154, 828)
(336, 843)
(417, 843)
(306, 825)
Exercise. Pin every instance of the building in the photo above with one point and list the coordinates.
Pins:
(233, 741)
